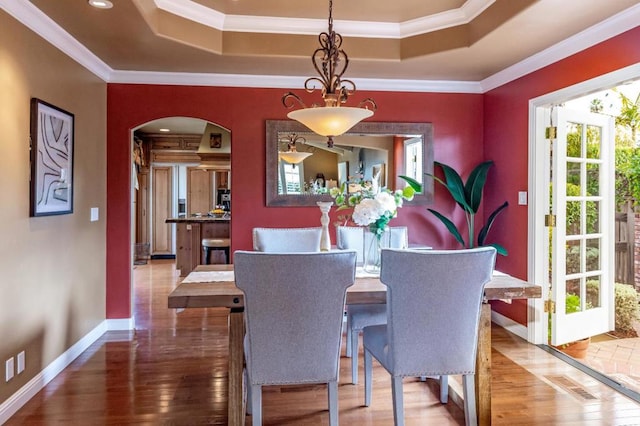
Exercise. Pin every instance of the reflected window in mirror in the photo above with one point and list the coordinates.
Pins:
(413, 158)
(290, 178)
(369, 151)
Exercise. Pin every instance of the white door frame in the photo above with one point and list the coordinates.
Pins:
(537, 255)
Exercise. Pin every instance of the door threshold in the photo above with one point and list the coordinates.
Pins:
(602, 378)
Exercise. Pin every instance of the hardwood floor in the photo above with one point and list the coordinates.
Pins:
(173, 371)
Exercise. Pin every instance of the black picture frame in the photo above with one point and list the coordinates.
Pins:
(215, 140)
(51, 147)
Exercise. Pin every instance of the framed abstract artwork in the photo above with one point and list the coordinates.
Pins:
(52, 134)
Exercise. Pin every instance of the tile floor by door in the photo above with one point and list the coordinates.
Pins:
(618, 359)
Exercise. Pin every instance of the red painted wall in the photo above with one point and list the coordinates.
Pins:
(505, 138)
(457, 120)
(467, 129)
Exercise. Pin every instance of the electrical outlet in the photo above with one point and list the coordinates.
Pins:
(20, 360)
(8, 368)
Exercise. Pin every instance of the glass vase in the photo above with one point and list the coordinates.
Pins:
(372, 251)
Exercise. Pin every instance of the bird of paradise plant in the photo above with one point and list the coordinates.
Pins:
(468, 196)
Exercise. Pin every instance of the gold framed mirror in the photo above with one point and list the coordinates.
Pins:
(369, 150)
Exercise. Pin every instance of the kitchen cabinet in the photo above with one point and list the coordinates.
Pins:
(162, 179)
(189, 234)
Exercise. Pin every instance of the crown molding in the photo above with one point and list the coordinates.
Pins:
(188, 9)
(287, 82)
(45, 27)
(307, 26)
(34, 19)
(196, 12)
(611, 27)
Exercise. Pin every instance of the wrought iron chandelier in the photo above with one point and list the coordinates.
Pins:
(292, 156)
(330, 62)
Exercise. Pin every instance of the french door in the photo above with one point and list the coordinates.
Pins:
(582, 241)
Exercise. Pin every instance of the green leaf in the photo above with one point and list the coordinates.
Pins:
(450, 226)
(454, 184)
(475, 185)
(353, 200)
(501, 250)
(482, 235)
(408, 193)
(417, 186)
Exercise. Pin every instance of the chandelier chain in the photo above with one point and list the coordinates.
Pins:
(330, 16)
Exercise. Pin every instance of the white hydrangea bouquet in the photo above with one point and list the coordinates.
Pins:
(372, 206)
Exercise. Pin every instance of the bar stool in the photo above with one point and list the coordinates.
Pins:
(210, 244)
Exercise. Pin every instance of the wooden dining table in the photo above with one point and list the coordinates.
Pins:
(196, 292)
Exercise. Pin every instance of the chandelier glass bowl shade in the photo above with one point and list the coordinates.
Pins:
(330, 121)
(292, 156)
(330, 62)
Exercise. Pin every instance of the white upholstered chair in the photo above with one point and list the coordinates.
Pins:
(287, 239)
(360, 316)
(294, 319)
(434, 299)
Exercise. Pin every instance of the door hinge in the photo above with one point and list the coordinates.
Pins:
(550, 306)
(550, 220)
(551, 132)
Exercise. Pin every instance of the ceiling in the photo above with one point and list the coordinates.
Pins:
(403, 45)
(413, 40)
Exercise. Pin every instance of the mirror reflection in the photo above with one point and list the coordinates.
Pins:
(301, 168)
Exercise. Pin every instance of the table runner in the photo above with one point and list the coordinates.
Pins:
(209, 276)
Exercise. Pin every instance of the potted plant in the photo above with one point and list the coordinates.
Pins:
(578, 348)
(468, 196)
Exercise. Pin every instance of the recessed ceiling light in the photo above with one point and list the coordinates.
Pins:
(165, 130)
(101, 4)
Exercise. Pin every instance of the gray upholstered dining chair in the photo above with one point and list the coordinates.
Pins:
(287, 239)
(293, 312)
(360, 316)
(434, 299)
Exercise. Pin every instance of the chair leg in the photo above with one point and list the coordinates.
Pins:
(256, 405)
(444, 389)
(348, 339)
(206, 255)
(368, 377)
(354, 356)
(469, 395)
(246, 382)
(398, 404)
(333, 403)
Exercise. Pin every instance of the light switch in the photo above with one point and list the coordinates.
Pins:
(8, 369)
(95, 214)
(522, 198)
(20, 362)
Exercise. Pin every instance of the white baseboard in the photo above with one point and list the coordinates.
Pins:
(123, 324)
(26, 392)
(509, 325)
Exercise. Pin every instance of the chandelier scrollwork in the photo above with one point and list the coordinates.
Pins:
(330, 62)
